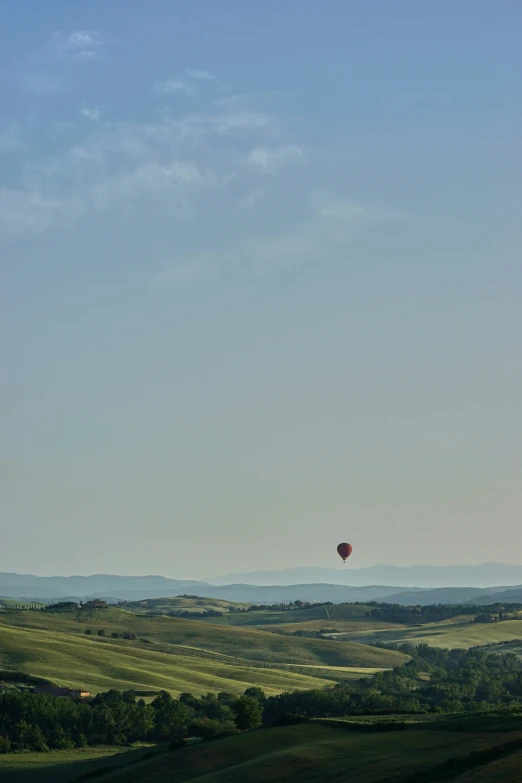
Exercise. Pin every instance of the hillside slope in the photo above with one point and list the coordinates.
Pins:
(313, 752)
(458, 632)
(246, 643)
(80, 662)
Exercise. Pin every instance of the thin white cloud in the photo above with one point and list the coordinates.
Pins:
(197, 73)
(327, 232)
(78, 45)
(187, 83)
(128, 164)
(176, 87)
(223, 124)
(343, 210)
(91, 113)
(271, 159)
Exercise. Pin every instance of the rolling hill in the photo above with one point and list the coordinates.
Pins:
(250, 643)
(80, 662)
(316, 752)
(458, 632)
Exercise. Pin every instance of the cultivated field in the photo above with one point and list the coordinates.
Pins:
(316, 752)
(252, 644)
(321, 614)
(459, 632)
(65, 766)
(76, 661)
(183, 604)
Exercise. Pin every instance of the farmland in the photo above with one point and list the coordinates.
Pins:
(252, 644)
(74, 661)
(459, 632)
(315, 752)
(467, 751)
(64, 766)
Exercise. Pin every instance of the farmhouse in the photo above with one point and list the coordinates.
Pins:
(95, 604)
(69, 693)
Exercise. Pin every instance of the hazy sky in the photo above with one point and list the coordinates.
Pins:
(261, 284)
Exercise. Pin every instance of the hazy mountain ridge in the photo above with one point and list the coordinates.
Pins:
(133, 588)
(418, 576)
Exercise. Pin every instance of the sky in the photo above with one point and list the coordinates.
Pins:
(260, 284)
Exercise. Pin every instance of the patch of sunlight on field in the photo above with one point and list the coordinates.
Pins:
(462, 634)
(63, 766)
(251, 643)
(76, 661)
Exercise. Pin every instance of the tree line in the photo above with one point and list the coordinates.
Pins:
(418, 615)
(40, 722)
(434, 680)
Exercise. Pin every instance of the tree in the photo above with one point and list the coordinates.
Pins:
(144, 720)
(207, 729)
(248, 712)
(171, 718)
(256, 693)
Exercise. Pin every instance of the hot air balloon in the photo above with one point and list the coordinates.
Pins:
(345, 550)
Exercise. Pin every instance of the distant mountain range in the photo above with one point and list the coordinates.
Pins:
(420, 576)
(131, 588)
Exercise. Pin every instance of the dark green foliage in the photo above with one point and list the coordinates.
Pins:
(256, 693)
(434, 613)
(434, 681)
(62, 606)
(171, 717)
(248, 713)
(208, 728)
(22, 677)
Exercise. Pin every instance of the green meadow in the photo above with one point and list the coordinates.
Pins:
(250, 643)
(78, 661)
(313, 752)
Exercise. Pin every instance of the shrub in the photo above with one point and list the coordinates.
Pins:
(208, 729)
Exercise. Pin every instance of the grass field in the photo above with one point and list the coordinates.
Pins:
(180, 603)
(463, 751)
(459, 632)
(64, 766)
(316, 752)
(506, 770)
(77, 661)
(247, 643)
(323, 614)
(355, 626)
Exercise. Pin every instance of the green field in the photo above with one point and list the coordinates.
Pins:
(268, 617)
(249, 643)
(507, 770)
(316, 752)
(65, 766)
(181, 603)
(77, 661)
(458, 632)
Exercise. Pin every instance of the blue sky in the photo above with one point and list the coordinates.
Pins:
(260, 284)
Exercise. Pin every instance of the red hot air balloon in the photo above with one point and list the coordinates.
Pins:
(345, 550)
